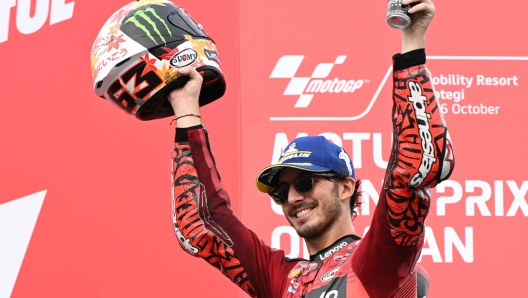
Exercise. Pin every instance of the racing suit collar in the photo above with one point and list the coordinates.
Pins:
(335, 247)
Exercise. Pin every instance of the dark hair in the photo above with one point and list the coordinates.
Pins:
(356, 198)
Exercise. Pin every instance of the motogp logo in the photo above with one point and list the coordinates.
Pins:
(306, 87)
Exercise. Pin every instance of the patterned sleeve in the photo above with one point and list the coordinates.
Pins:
(421, 157)
(206, 227)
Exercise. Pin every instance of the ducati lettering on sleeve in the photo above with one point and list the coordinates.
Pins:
(190, 228)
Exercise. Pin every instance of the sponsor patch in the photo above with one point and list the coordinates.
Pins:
(418, 101)
(184, 58)
(333, 250)
(291, 289)
(295, 154)
(212, 55)
(147, 20)
(330, 274)
(294, 273)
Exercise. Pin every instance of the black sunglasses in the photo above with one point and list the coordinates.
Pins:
(303, 184)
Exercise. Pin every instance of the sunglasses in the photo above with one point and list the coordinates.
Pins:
(303, 184)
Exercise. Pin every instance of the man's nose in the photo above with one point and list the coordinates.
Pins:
(294, 196)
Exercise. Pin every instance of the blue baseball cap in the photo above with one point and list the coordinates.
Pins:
(313, 154)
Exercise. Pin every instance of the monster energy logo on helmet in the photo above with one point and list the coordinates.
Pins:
(150, 16)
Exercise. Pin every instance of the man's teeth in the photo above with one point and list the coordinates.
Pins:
(303, 212)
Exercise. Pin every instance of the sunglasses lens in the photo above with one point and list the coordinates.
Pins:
(280, 193)
(303, 183)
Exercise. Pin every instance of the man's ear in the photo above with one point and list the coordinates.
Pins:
(349, 186)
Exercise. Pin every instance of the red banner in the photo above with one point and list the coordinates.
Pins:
(310, 68)
(85, 203)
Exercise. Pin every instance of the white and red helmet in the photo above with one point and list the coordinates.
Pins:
(136, 54)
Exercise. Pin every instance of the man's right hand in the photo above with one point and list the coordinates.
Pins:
(185, 100)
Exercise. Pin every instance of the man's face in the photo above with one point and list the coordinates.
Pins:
(314, 213)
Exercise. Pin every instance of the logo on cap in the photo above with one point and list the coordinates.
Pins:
(346, 158)
(292, 148)
(294, 154)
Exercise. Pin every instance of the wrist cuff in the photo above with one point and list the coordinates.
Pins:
(406, 60)
(182, 133)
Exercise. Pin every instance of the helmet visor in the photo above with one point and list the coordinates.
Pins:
(182, 20)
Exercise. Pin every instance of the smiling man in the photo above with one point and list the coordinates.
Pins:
(315, 184)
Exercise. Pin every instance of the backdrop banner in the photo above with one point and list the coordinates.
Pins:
(85, 202)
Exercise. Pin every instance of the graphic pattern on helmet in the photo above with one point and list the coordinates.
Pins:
(135, 56)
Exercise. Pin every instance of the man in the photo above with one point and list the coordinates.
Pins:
(315, 184)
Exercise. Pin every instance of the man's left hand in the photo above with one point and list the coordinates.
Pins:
(413, 37)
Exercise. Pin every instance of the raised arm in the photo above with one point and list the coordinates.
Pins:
(421, 157)
(203, 221)
(422, 154)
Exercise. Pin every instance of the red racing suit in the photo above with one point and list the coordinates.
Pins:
(383, 264)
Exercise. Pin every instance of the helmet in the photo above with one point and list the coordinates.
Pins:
(135, 56)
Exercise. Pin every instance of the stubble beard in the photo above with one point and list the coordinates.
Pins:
(331, 211)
